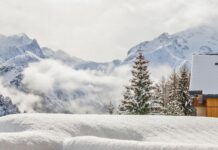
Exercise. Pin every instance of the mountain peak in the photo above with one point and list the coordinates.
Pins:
(177, 49)
(203, 30)
(16, 40)
(21, 35)
(164, 35)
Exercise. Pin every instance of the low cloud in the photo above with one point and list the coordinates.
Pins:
(96, 89)
(24, 101)
(160, 71)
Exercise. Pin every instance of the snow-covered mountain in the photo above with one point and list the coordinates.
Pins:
(17, 52)
(177, 49)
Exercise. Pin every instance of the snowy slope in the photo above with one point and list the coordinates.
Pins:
(107, 132)
(177, 49)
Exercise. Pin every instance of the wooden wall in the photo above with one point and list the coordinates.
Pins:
(201, 111)
(212, 107)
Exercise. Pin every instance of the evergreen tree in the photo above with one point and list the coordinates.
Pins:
(161, 91)
(127, 104)
(174, 106)
(110, 108)
(164, 91)
(183, 91)
(138, 94)
(157, 102)
(7, 107)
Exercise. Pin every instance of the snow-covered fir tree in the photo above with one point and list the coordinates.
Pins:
(138, 93)
(161, 94)
(7, 107)
(183, 91)
(174, 106)
(164, 91)
(110, 108)
(127, 104)
(157, 103)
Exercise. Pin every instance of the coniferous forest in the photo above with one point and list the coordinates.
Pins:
(170, 96)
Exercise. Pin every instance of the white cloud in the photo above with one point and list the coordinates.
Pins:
(24, 101)
(100, 88)
(101, 29)
(158, 72)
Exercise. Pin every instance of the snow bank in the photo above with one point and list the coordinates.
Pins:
(95, 143)
(107, 132)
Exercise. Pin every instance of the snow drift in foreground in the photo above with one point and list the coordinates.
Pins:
(107, 132)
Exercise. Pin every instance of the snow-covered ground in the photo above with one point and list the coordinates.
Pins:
(107, 132)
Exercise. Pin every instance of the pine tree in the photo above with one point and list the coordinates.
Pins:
(183, 91)
(164, 91)
(157, 102)
(110, 108)
(7, 107)
(161, 91)
(138, 94)
(127, 104)
(174, 106)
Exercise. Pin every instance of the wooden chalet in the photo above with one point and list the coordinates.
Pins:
(204, 84)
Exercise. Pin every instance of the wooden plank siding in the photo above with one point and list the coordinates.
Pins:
(212, 107)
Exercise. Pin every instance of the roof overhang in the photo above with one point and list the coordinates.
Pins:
(199, 92)
(196, 92)
(210, 95)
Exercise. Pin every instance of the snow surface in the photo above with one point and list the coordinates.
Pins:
(204, 74)
(107, 132)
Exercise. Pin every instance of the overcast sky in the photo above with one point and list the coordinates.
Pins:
(101, 30)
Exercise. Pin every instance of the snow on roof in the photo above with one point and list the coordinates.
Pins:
(204, 75)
